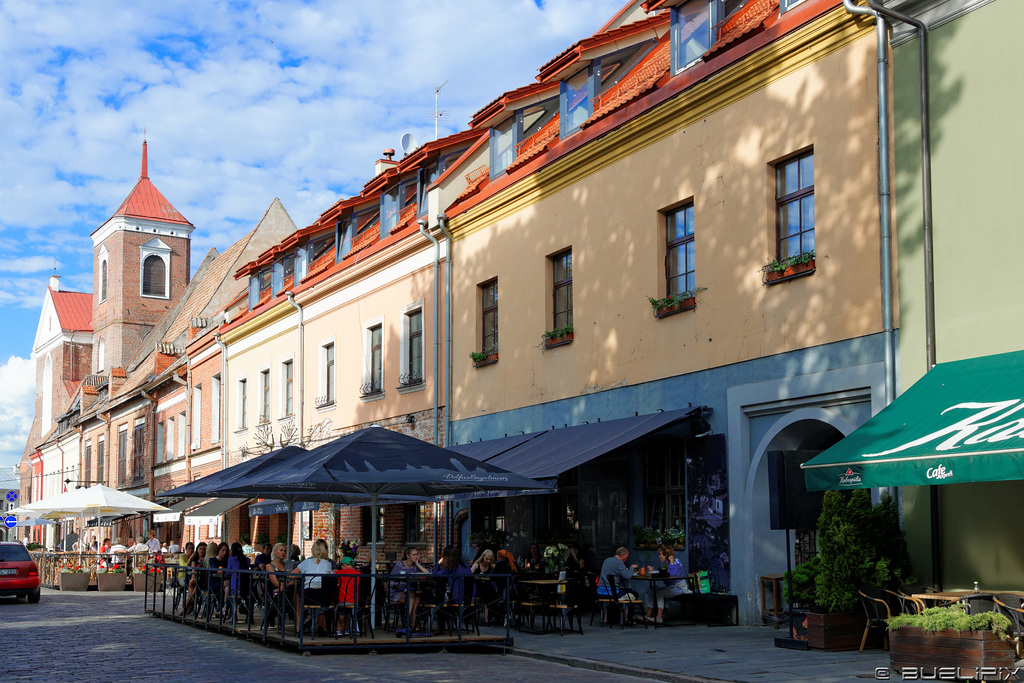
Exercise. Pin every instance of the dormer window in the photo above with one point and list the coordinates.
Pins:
(507, 136)
(388, 212)
(575, 102)
(693, 28)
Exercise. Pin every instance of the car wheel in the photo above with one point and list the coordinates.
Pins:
(33, 597)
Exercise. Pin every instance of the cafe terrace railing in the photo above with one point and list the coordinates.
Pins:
(246, 602)
(51, 564)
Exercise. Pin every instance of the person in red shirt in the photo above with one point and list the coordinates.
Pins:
(348, 591)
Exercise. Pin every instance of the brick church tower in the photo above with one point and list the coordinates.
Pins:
(140, 270)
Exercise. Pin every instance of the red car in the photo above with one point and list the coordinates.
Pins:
(19, 575)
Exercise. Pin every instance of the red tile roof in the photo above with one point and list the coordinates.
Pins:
(641, 79)
(535, 144)
(500, 102)
(74, 310)
(573, 52)
(756, 14)
(145, 201)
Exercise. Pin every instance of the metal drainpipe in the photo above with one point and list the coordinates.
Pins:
(422, 222)
(926, 176)
(298, 362)
(879, 11)
(223, 393)
(442, 222)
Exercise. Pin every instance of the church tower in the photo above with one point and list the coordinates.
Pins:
(140, 269)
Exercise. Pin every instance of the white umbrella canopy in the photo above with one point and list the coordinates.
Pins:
(88, 502)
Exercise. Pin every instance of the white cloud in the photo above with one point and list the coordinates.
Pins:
(29, 264)
(17, 406)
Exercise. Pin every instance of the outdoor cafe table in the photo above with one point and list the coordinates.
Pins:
(948, 596)
(545, 593)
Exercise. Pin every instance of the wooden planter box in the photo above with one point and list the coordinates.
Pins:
(141, 581)
(73, 582)
(796, 270)
(107, 581)
(838, 631)
(558, 341)
(969, 650)
(684, 305)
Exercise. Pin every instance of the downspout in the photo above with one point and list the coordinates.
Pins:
(223, 427)
(298, 363)
(442, 222)
(422, 222)
(878, 11)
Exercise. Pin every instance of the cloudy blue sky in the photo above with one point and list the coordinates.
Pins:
(240, 103)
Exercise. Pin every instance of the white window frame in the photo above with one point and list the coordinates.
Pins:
(282, 395)
(197, 416)
(215, 400)
(367, 354)
(182, 421)
(405, 341)
(103, 287)
(265, 388)
(168, 444)
(322, 373)
(241, 386)
(155, 247)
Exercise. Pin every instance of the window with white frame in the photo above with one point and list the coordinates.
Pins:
(412, 346)
(160, 430)
(197, 414)
(373, 358)
(103, 280)
(326, 376)
(155, 261)
(182, 422)
(265, 395)
(287, 388)
(215, 410)
(243, 401)
(168, 444)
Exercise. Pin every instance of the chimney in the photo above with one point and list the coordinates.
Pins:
(89, 395)
(117, 377)
(163, 361)
(385, 163)
(55, 283)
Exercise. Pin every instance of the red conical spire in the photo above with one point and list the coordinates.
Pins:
(145, 163)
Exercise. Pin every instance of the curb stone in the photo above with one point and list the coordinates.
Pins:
(609, 667)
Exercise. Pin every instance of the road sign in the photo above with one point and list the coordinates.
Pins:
(10, 521)
(12, 496)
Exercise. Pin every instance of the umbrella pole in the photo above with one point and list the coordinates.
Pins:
(373, 560)
(291, 516)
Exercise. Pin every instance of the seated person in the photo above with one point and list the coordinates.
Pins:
(263, 558)
(486, 590)
(616, 566)
(670, 587)
(217, 562)
(312, 569)
(572, 565)
(348, 590)
(533, 561)
(239, 583)
(409, 564)
(136, 546)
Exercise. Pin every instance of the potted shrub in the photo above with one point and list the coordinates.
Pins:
(650, 537)
(683, 301)
(780, 270)
(73, 578)
(858, 545)
(484, 357)
(113, 579)
(949, 637)
(558, 336)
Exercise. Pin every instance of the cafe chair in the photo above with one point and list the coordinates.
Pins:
(976, 604)
(877, 611)
(1011, 605)
(567, 604)
(919, 588)
(524, 605)
(625, 604)
(903, 604)
(314, 606)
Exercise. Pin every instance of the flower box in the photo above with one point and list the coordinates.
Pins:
(561, 340)
(141, 581)
(685, 305)
(836, 631)
(111, 581)
(486, 360)
(73, 581)
(772, 277)
(969, 650)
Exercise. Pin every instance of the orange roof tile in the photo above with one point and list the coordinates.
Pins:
(756, 14)
(641, 79)
(74, 310)
(145, 201)
(499, 102)
(572, 53)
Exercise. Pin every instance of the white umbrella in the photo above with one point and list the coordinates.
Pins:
(88, 502)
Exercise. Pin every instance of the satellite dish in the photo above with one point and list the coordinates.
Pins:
(408, 143)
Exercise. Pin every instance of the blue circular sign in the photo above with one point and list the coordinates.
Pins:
(10, 521)
(12, 496)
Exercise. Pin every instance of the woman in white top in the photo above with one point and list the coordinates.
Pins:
(314, 568)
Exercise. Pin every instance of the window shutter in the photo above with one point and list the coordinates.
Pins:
(154, 273)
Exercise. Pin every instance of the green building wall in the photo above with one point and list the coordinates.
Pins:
(976, 101)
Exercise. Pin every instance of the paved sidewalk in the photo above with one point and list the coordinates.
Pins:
(699, 653)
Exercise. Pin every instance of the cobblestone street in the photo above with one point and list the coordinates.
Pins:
(107, 637)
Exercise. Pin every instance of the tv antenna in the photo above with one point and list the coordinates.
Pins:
(438, 114)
